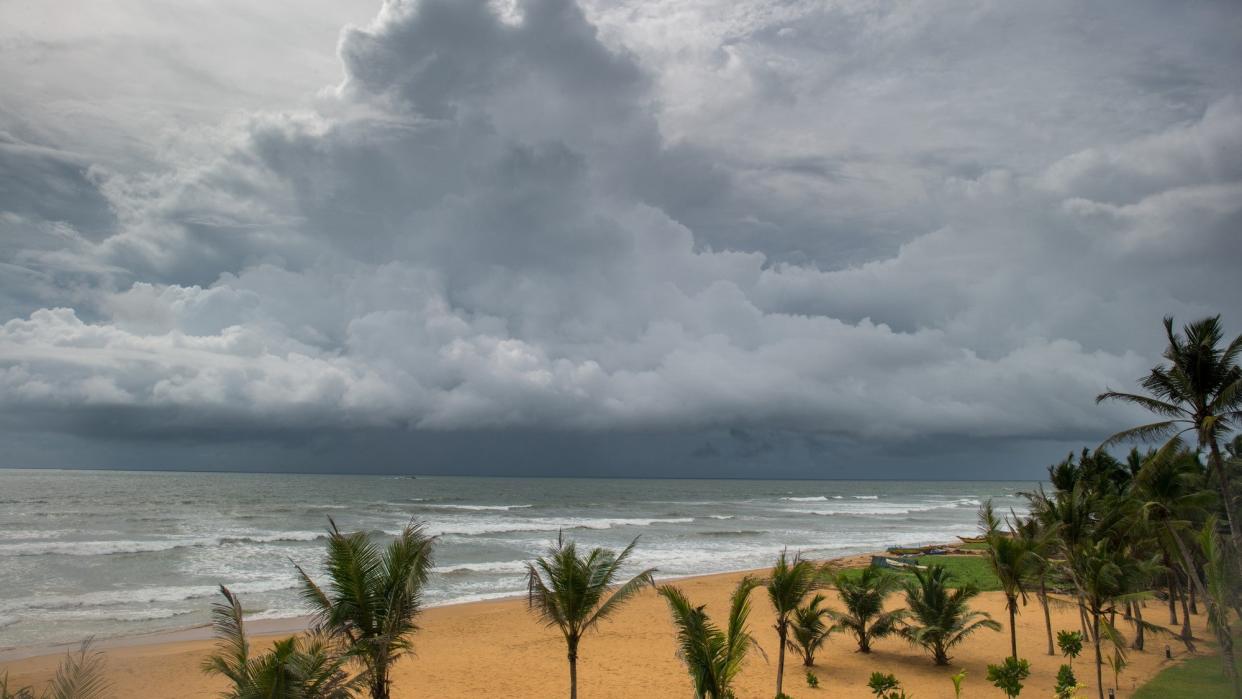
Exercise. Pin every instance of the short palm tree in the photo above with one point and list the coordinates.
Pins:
(294, 668)
(712, 655)
(1199, 390)
(1011, 559)
(1221, 590)
(791, 580)
(575, 593)
(79, 676)
(940, 617)
(863, 596)
(809, 630)
(373, 598)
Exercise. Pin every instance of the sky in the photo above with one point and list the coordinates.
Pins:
(831, 239)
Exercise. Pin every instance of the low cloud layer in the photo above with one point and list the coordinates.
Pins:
(858, 227)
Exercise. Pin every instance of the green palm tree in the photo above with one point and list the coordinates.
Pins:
(809, 630)
(1040, 540)
(1107, 572)
(791, 580)
(1011, 559)
(1220, 593)
(294, 668)
(79, 676)
(1199, 390)
(572, 592)
(864, 616)
(712, 655)
(940, 617)
(373, 598)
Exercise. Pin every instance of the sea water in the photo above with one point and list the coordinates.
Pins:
(109, 553)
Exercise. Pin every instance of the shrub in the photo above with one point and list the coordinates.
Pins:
(885, 686)
(1070, 643)
(811, 680)
(1008, 675)
(1066, 683)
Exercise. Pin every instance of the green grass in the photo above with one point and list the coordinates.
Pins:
(964, 569)
(1197, 678)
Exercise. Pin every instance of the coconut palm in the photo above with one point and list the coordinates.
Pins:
(575, 593)
(1011, 559)
(294, 668)
(791, 580)
(713, 656)
(373, 598)
(1199, 390)
(1219, 596)
(940, 617)
(1040, 540)
(79, 676)
(809, 630)
(864, 616)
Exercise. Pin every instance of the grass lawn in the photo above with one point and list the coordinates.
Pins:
(1198, 678)
(964, 569)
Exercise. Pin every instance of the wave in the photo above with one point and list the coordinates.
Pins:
(108, 548)
(546, 524)
(866, 497)
(722, 516)
(498, 567)
(816, 498)
(478, 508)
(143, 595)
(885, 508)
(736, 532)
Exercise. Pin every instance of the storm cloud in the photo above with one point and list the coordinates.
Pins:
(701, 238)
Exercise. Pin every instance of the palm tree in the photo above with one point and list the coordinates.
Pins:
(712, 655)
(1011, 559)
(941, 618)
(294, 668)
(864, 614)
(790, 581)
(1199, 390)
(571, 592)
(808, 629)
(79, 676)
(373, 598)
(1219, 595)
(1040, 540)
(1107, 572)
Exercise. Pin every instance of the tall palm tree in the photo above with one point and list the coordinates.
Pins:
(1220, 595)
(572, 592)
(1199, 390)
(809, 630)
(294, 668)
(713, 656)
(1107, 572)
(1040, 540)
(940, 617)
(373, 598)
(790, 581)
(1011, 559)
(864, 616)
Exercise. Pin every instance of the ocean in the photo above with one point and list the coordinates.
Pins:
(111, 553)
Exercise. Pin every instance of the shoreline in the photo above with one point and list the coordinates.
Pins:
(268, 629)
(497, 648)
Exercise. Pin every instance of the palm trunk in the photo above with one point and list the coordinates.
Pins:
(1193, 583)
(1099, 661)
(573, 669)
(1013, 630)
(781, 630)
(1172, 578)
(1139, 637)
(1194, 602)
(1226, 494)
(1043, 600)
(379, 681)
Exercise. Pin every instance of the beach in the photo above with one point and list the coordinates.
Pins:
(496, 648)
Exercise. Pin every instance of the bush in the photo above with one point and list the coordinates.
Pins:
(1070, 643)
(885, 686)
(811, 680)
(1008, 675)
(1066, 683)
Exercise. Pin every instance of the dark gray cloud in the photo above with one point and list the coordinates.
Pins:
(724, 238)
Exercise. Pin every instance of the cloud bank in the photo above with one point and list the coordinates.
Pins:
(854, 222)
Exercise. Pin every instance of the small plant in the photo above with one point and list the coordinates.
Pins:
(79, 676)
(1117, 662)
(1067, 684)
(885, 686)
(1070, 643)
(811, 680)
(1008, 676)
(957, 682)
(783, 695)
